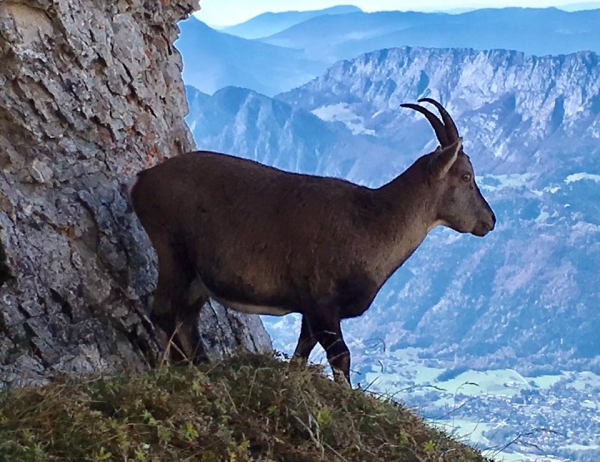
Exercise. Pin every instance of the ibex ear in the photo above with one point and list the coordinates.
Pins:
(443, 159)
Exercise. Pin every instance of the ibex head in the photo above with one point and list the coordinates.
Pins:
(458, 200)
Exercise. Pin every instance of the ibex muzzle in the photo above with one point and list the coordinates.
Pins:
(261, 240)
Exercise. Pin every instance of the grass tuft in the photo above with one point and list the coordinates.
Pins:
(246, 408)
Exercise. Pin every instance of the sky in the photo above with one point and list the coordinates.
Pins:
(229, 12)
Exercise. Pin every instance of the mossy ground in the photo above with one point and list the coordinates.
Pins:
(247, 408)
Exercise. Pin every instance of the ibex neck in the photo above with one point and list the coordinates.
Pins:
(411, 216)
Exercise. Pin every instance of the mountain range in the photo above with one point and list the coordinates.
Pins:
(267, 24)
(534, 31)
(213, 60)
(522, 297)
(248, 124)
(315, 40)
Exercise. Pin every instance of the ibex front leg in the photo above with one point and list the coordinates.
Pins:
(327, 331)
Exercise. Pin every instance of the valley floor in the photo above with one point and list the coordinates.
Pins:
(508, 416)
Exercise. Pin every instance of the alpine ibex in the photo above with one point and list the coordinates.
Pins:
(261, 240)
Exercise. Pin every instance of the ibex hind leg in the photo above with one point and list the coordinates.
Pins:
(188, 332)
(306, 342)
(170, 298)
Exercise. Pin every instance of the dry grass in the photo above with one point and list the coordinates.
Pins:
(247, 408)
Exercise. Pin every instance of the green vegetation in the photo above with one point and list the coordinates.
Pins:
(247, 408)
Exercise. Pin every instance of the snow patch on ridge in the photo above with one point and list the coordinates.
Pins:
(342, 112)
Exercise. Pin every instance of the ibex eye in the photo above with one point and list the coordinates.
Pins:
(467, 177)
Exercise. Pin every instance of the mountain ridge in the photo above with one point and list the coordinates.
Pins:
(270, 23)
(537, 31)
(481, 79)
(213, 59)
(279, 135)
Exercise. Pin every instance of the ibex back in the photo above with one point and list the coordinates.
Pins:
(261, 240)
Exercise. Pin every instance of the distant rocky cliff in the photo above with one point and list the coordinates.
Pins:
(516, 109)
(90, 93)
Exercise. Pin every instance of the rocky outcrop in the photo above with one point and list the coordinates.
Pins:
(91, 93)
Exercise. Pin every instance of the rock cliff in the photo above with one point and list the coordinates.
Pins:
(90, 93)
